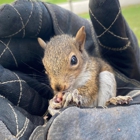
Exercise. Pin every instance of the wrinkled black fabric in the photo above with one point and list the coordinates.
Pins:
(114, 35)
(17, 123)
(24, 86)
(118, 44)
(64, 22)
(28, 18)
(21, 94)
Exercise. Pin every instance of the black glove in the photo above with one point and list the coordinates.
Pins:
(24, 87)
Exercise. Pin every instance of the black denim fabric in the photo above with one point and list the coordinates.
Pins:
(24, 87)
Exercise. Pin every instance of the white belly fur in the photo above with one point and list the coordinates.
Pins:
(107, 88)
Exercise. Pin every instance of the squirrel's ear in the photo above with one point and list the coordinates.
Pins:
(80, 37)
(41, 43)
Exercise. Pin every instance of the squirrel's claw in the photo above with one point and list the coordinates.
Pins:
(72, 98)
(119, 100)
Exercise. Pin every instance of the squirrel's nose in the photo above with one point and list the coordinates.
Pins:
(60, 88)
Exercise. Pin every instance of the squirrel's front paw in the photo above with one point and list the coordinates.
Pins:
(55, 103)
(72, 98)
(54, 106)
(119, 100)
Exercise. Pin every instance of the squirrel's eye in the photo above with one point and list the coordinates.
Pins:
(73, 60)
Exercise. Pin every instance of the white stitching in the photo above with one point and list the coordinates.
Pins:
(15, 117)
(115, 49)
(107, 29)
(37, 134)
(12, 81)
(24, 24)
(7, 47)
(54, 18)
(20, 84)
(22, 131)
(40, 18)
(112, 25)
(126, 79)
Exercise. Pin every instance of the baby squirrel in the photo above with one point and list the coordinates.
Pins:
(76, 77)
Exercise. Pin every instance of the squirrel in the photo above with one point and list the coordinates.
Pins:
(75, 77)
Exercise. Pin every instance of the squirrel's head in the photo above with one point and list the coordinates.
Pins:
(64, 59)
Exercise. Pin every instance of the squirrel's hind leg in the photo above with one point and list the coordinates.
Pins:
(107, 87)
